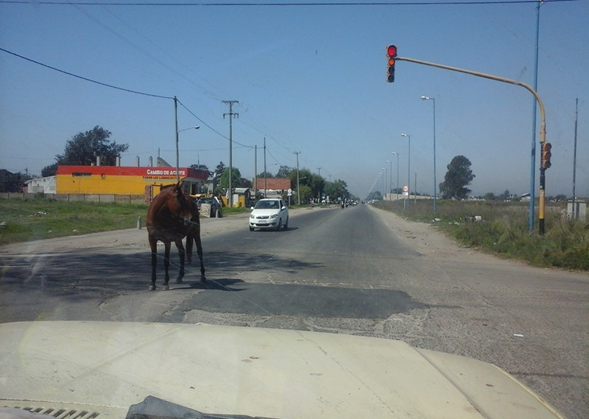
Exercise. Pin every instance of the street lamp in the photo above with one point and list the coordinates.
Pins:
(177, 150)
(435, 183)
(390, 189)
(394, 152)
(408, 169)
(384, 183)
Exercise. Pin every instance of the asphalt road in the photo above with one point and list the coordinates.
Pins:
(356, 271)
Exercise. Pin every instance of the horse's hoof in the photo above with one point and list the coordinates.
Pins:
(203, 279)
(179, 281)
(166, 287)
(152, 287)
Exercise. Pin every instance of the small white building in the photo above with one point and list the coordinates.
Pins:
(45, 185)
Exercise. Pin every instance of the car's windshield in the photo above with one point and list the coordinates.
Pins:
(366, 171)
(268, 205)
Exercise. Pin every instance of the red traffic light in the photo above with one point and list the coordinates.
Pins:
(546, 154)
(392, 51)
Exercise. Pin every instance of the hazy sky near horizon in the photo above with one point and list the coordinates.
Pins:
(309, 78)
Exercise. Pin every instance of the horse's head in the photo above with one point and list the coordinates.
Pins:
(178, 204)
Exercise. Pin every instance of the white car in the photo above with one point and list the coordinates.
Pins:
(269, 213)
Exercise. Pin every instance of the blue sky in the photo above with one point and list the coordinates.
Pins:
(307, 78)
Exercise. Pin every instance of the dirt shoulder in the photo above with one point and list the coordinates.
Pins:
(426, 239)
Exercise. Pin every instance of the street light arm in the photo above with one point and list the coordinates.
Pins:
(492, 77)
(186, 129)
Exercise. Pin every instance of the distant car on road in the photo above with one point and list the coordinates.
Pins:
(215, 205)
(269, 213)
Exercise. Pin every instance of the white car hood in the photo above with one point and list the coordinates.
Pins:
(266, 212)
(105, 367)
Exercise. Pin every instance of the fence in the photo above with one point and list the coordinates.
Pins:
(111, 198)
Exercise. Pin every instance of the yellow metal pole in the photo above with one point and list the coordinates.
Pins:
(541, 209)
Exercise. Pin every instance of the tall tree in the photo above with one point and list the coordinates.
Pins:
(203, 167)
(12, 182)
(337, 189)
(458, 176)
(284, 171)
(235, 178)
(85, 147)
(266, 175)
(220, 169)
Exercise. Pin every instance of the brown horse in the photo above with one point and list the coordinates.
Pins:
(168, 220)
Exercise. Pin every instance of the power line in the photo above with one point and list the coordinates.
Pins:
(115, 87)
(84, 78)
(282, 4)
(203, 122)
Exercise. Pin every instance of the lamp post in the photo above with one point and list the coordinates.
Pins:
(394, 152)
(408, 169)
(177, 150)
(390, 177)
(384, 183)
(435, 183)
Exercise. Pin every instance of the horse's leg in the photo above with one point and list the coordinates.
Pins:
(167, 246)
(199, 251)
(181, 253)
(153, 246)
(189, 244)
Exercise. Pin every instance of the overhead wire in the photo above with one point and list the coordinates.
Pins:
(283, 4)
(85, 78)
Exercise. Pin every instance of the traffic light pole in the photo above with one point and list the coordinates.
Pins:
(542, 123)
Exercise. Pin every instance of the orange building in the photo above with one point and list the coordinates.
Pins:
(118, 180)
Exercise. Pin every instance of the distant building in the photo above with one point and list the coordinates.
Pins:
(273, 186)
(119, 180)
(44, 185)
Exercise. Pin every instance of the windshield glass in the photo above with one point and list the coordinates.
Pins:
(268, 205)
(423, 165)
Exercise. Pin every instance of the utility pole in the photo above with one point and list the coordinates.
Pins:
(255, 171)
(298, 183)
(319, 196)
(575, 157)
(231, 114)
(177, 150)
(531, 213)
(265, 183)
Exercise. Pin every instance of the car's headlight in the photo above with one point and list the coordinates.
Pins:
(274, 216)
(252, 216)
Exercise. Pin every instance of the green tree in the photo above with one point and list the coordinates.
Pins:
(268, 175)
(504, 196)
(219, 170)
(336, 189)
(85, 147)
(306, 194)
(458, 176)
(200, 167)
(50, 170)
(284, 171)
(235, 179)
(13, 182)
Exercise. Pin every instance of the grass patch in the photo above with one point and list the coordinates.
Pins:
(503, 230)
(44, 218)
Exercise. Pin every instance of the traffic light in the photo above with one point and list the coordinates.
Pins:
(546, 154)
(391, 54)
